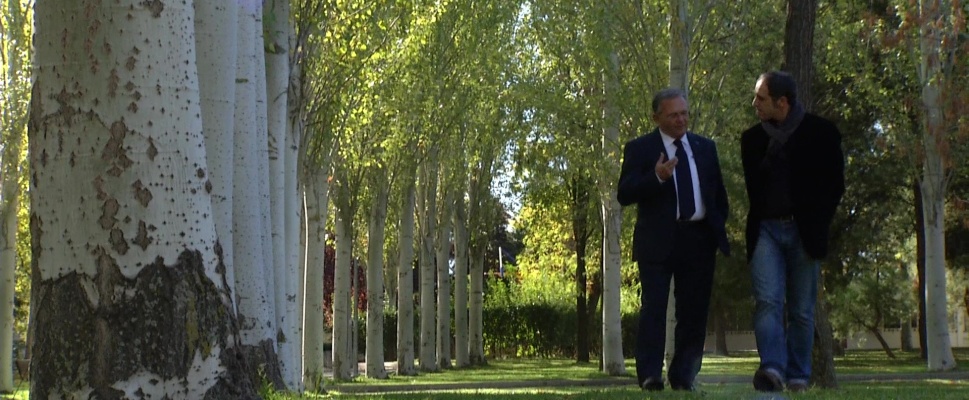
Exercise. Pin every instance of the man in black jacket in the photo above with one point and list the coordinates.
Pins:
(794, 173)
(673, 176)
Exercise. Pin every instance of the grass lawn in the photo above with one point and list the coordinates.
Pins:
(737, 369)
(853, 391)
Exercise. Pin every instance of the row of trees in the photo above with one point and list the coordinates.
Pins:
(186, 164)
(170, 145)
(857, 63)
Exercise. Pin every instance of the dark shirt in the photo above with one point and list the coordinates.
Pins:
(777, 187)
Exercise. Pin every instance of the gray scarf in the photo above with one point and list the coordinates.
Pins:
(782, 131)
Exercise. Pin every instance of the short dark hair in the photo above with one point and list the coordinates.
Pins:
(780, 84)
(666, 94)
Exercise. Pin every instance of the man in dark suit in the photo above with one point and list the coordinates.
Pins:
(794, 172)
(673, 176)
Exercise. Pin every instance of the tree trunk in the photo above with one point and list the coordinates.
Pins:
(680, 45)
(920, 268)
(131, 295)
(823, 373)
(799, 55)
(13, 121)
(428, 214)
(799, 61)
(461, 242)
(13, 117)
(719, 327)
(375, 277)
(940, 356)
(443, 250)
(253, 273)
(405, 282)
(215, 40)
(476, 325)
(580, 234)
(316, 214)
(9, 205)
(906, 336)
(881, 340)
(478, 197)
(344, 354)
(275, 51)
(613, 362)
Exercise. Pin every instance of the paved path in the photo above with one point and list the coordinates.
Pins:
(615, 381)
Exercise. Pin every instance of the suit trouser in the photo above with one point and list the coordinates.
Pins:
(690, 264)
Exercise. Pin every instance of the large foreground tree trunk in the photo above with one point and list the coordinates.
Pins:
(131, 293)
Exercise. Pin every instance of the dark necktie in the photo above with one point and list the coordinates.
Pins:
(684, 182)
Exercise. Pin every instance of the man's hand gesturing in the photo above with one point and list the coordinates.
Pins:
(664, 168)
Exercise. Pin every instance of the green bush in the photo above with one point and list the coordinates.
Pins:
(517, 324)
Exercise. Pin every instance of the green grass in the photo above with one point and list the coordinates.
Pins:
(739, 364)
(880, 390)
(737, 368)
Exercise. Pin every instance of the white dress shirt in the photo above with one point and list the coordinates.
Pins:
(701, 211)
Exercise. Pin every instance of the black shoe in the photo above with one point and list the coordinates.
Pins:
(652, 384)
(767, 380)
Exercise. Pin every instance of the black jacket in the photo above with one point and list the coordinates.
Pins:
(817, 180)
(656, 211)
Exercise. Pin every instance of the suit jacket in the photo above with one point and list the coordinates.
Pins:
(656, 201)
(816, 174)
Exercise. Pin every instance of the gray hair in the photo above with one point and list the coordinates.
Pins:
(666, 94)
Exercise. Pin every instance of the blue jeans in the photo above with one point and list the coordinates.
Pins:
(783, 273)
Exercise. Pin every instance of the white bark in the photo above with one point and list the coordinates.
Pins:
(405, 282)
(428, 214)
(215, 40)
(9, 205)
(254, 278)
(13, 116)
(443, 250)
(476, 312)
(461, 242)
(478, 243)
(283, 214)
(375, 277)
(295, 244)
(316, 206)
(343, 352)
(131, 298)
(354, 316)
(680, 45)
(940, 357)
(613, 362)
